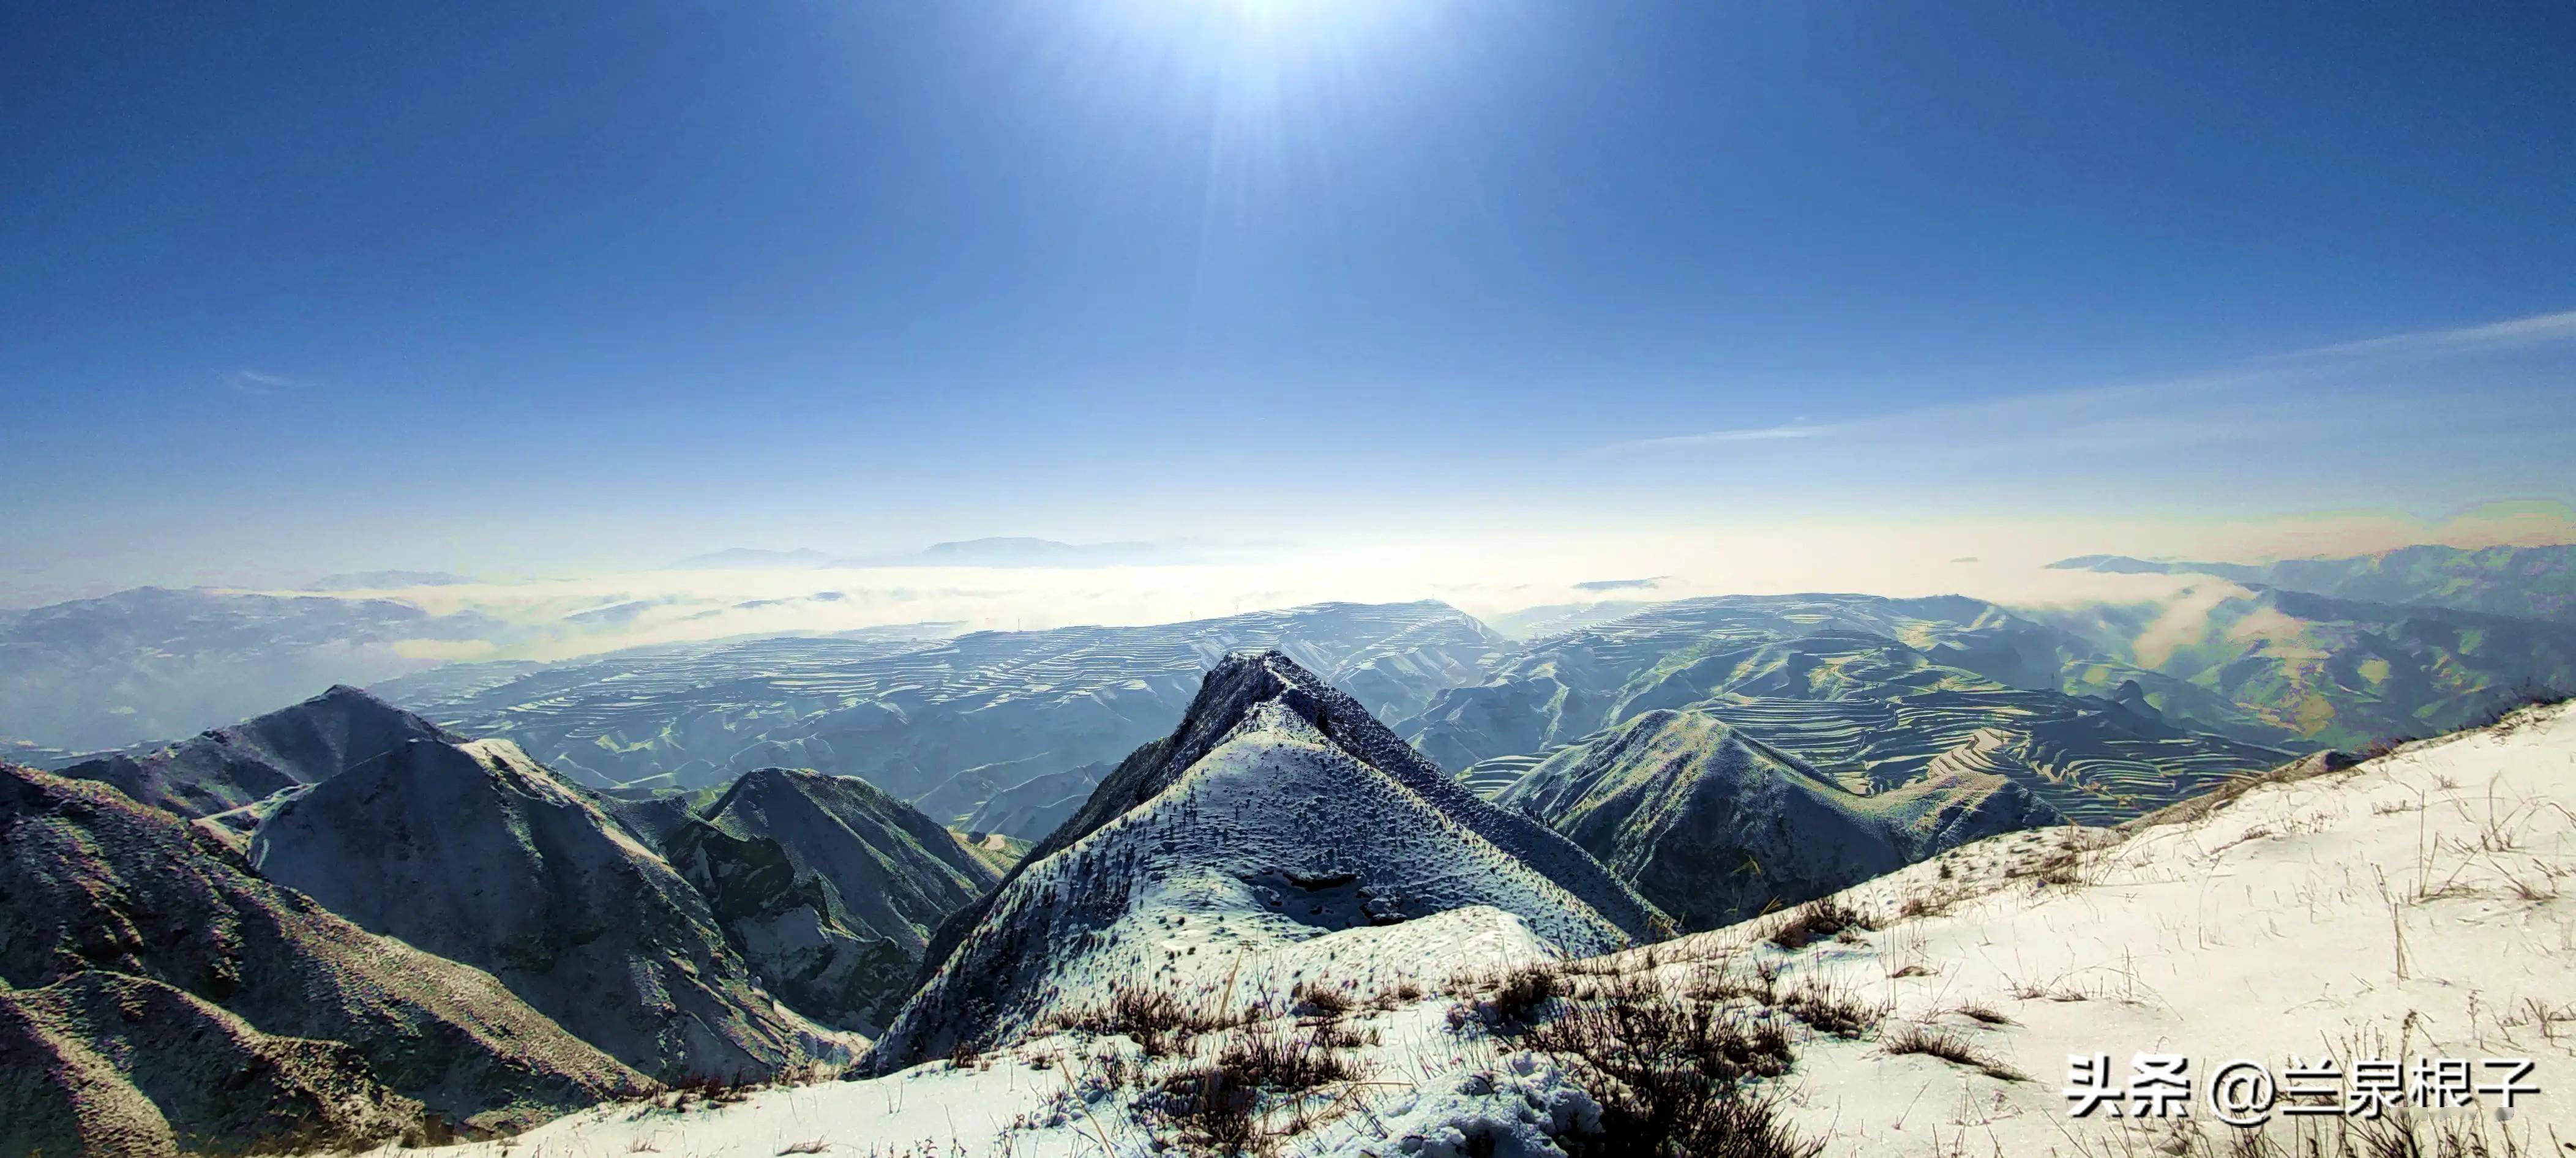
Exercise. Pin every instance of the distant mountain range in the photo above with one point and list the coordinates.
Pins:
(1875, 694)
(153, 662)
(1716, 827)
(2522, 582)
(951, 723)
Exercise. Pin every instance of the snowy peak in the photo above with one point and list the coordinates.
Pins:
(1279, 834)
(228, 767)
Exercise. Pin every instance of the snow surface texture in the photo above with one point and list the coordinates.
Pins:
(1715, 827)
(153, 988)
(477, 854)
(2254, 926)
(1278, 814)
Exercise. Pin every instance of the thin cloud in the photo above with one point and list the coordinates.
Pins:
(256, 383)
(2538, 329)
(2110, 416)
(1748, 434)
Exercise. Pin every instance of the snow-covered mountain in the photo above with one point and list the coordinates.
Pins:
(1279, 834)
(1715, 827)
(2407, 909)
(476, 853)
(156, 991)
(228, 767)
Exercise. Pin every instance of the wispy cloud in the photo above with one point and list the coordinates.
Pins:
(1747, 434)
(2537, 329)
(1622, 584)
(257, 383)
(2162, 412)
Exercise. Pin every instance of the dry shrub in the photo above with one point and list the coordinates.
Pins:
(1838, 1010)
(1950, 1046)
(1671, 1074)
(1816, 920)
(1218, 1105)
(1316, 999)
(1520, 994)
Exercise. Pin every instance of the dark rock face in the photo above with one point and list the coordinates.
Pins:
(1716, 828)
(98, 892)
(476, 853)
(232, 766)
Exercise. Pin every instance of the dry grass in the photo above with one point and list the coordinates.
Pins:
(1951, 1046)
(1816, 920)
(1671, 1073)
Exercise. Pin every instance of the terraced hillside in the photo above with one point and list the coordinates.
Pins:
(2522, 582)
(990, 709)
(1877, 694)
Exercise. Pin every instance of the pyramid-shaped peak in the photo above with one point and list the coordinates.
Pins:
(1285, 821)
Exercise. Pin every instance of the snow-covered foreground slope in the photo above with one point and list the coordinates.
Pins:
(2410, 907)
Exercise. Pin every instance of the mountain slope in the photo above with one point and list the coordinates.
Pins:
(228, 767)
(2326, 671)
(1871, 692)
(829, 888)
(93, 885)
(1714, 827)
(476, 853)
(1038, 806)
(2522, 582)
(1286, 833)
(76, 1057)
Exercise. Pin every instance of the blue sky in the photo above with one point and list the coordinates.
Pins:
(322, 287)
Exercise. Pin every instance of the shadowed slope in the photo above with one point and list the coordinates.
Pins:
(92, 883)
(1715, 827)
(829, 888)
(476, 853)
